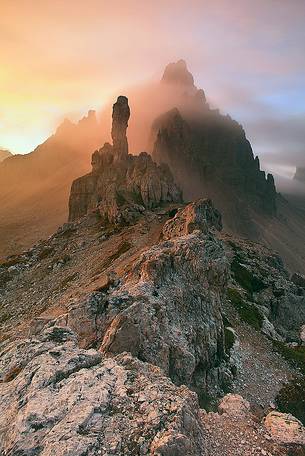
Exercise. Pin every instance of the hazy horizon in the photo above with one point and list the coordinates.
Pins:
(60, 60)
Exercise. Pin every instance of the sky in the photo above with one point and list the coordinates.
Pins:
(60, 58)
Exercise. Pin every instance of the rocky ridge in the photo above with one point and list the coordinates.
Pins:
(69, 382)
(35, 187)
(117, 331)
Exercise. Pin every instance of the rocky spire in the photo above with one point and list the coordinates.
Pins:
(120, 117)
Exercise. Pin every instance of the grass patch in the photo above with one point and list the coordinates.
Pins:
(247, 312)
(245, 278)
(294, 355)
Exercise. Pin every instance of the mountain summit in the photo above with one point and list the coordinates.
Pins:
(178, 73)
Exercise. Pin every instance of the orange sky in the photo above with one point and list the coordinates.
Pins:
(63, 57)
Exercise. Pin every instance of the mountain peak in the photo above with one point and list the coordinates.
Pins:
(178, 73)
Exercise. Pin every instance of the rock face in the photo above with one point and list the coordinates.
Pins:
(161, 314)
(209, 155)
(261, 288)
(67, 401)
(120, 186)
(200, 215)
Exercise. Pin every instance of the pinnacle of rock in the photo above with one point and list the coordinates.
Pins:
(120, 185)
(120, 117)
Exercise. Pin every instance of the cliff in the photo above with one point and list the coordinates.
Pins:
(209, 154)
(120, 186)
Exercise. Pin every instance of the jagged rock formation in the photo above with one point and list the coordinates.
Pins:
(162, 316)
(4, 153)
(120, 186)
(211, 156)
(300, 174)
(120, 117)
(177, 73)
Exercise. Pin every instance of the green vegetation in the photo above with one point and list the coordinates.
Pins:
(247, 312)
(295, 355)
(245, 278)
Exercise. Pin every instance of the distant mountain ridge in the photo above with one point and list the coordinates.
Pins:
(34, 188)
(4, 153)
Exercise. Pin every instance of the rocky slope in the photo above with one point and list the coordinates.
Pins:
(164, 290)
(124, 331)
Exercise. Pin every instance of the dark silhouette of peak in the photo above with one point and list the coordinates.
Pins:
(177, 73)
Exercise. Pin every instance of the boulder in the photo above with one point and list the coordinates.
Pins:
(285, 428)
(200, 215)
(234, 405)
